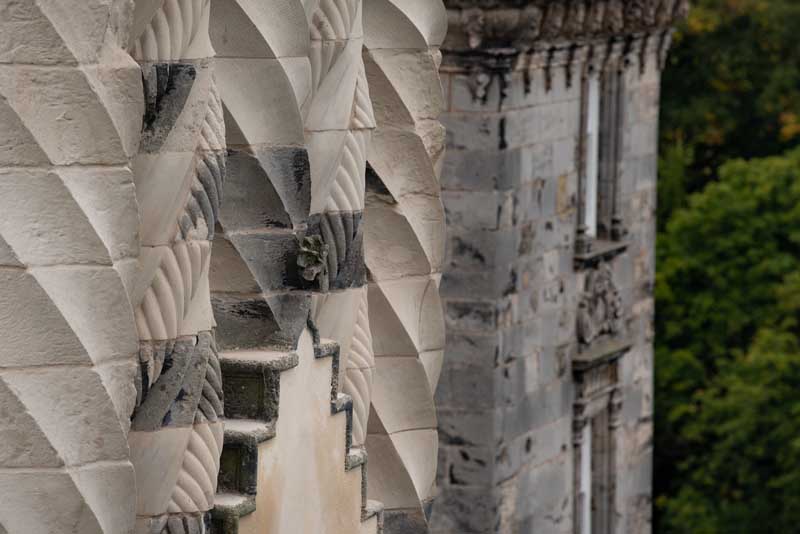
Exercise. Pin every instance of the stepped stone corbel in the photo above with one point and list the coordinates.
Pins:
(70, 116)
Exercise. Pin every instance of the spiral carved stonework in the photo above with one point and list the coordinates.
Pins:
(404, 246)
(68, 251)
(179, 177)
(192, 189)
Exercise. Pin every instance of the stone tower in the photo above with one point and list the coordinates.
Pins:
(227, 287)
(545, 402)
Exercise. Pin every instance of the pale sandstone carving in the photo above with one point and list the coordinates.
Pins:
(137, 159)
(176, 436)
(338, 131)
(290, 230)
(404, 242)
(70, 115)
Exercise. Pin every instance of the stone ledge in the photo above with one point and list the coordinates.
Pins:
(600, 250)
(255, 360)
(228, 508)
(372, 509)
(355, 458)
(600, 352)
(248, 432)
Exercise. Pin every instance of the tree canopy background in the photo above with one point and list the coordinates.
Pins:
(728, 282)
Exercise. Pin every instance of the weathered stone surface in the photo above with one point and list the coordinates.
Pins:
(512, 190)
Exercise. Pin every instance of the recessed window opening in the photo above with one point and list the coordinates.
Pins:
(592, 155)
(601, 142)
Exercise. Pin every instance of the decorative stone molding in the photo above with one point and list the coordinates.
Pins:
(71, 111)
(516, 24)
(599, 306)
(338, 131)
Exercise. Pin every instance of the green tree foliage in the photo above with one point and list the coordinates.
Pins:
(727, 354)
(732, 90)
(728, 283)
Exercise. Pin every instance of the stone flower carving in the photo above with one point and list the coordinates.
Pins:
(313, 258)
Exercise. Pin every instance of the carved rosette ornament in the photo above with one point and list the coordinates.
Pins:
(600, 306)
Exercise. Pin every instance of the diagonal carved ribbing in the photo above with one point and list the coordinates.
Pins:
(211, 407)
(171, 30)
(363, 117)
(339, 143)
(347, 190)
(180, 172)
(67, 238)
(403, 209)
(197, 479)
(210, 170)
(334, 20)
(183, 266)
(332, 24)
(178, 524)
(166, 302)
(360, 368)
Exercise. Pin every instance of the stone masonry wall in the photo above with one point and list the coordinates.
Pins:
(510, 188)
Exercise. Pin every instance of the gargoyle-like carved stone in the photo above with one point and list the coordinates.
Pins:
(599, 307)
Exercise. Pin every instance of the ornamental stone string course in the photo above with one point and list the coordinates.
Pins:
(244, 289)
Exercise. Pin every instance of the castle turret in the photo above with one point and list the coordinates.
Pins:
(545, 402)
